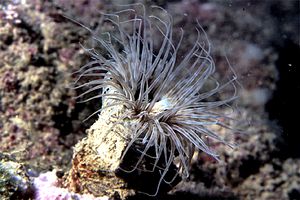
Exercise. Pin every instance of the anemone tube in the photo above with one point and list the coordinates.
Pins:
(156, 109)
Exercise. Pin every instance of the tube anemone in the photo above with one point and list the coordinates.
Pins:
(163, 90)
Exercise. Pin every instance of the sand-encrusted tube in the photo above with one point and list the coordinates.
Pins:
(98, 156)
(99, 165)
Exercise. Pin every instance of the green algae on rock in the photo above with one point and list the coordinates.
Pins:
(15, 182)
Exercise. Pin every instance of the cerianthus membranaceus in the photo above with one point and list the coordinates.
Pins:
(169, 92)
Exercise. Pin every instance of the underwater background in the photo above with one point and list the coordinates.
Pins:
(40, 122)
